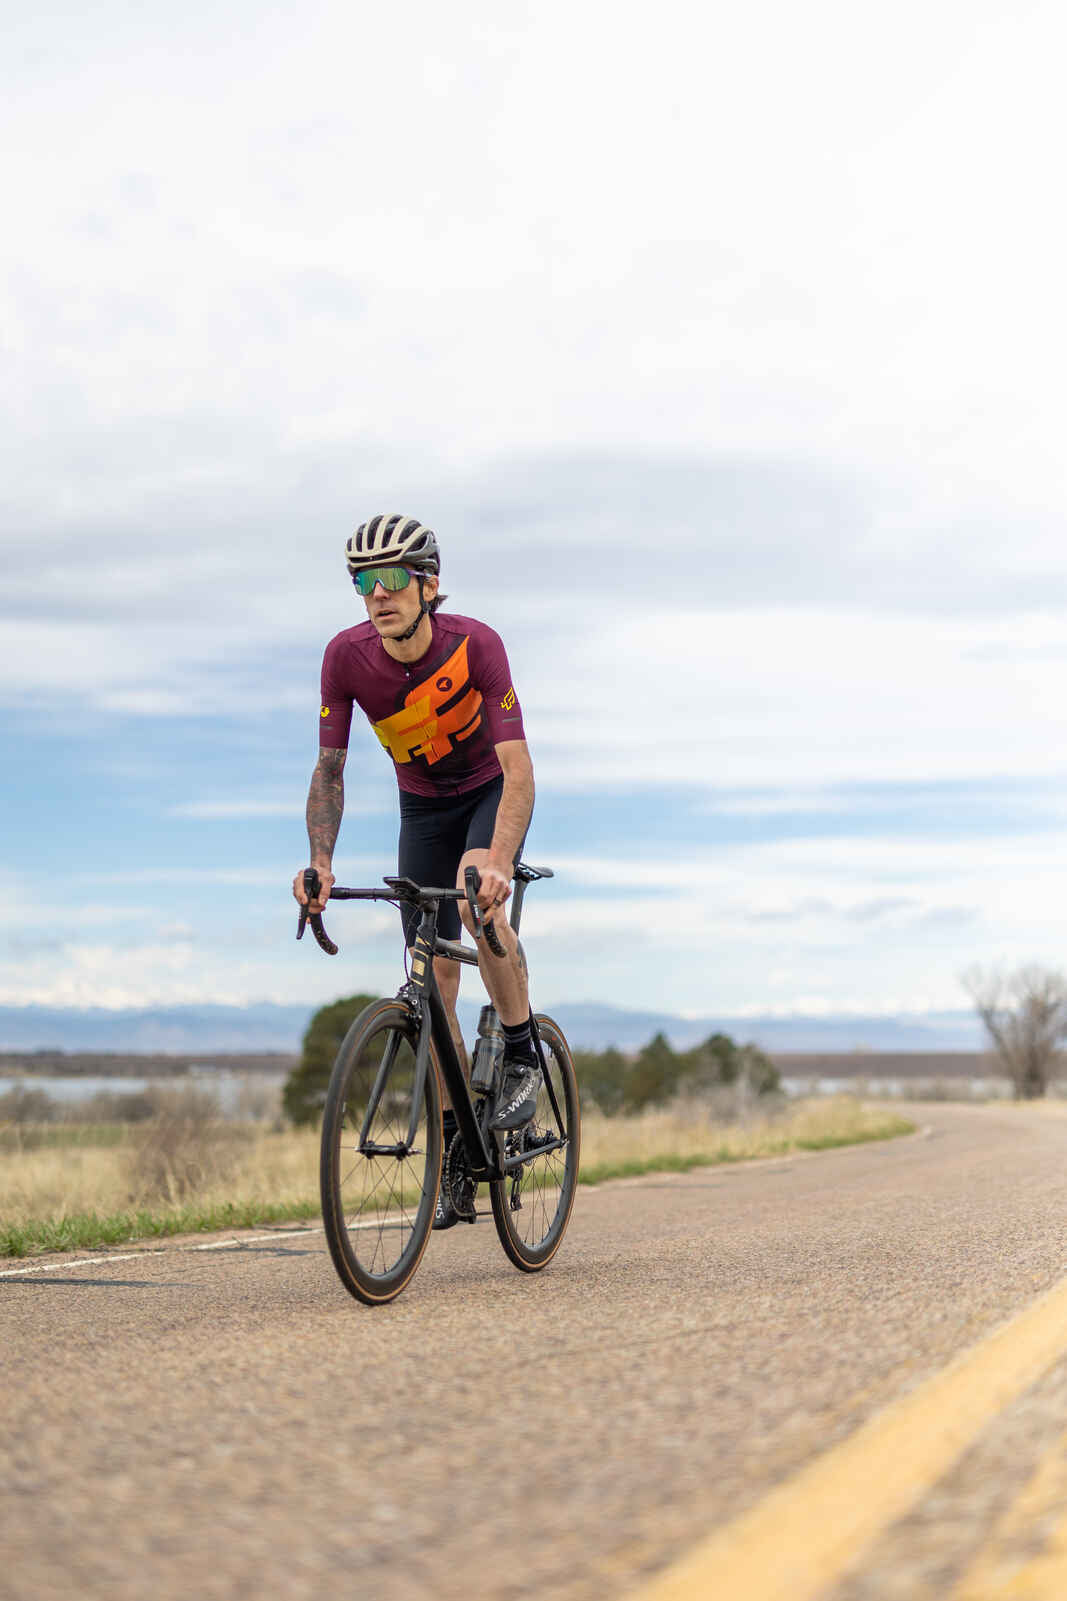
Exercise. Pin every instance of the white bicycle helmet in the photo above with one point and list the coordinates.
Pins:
(388, 539)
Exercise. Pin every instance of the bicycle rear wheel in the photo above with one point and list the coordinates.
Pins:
(532, 1205)
(378, 1201)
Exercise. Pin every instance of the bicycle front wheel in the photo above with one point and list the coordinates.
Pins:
(379, 1184)
(532, 1204)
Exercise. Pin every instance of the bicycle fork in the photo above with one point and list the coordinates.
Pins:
(421, 974)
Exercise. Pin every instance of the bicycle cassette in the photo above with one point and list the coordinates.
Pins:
(460, 1184)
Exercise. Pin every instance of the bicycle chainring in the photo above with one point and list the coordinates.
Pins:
(458, 1179)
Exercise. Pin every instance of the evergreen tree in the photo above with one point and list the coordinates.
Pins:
(602, 1078)
(304, 1093)
(720, 1060)
(653, 1075)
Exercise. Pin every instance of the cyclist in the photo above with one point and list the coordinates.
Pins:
(437, 689)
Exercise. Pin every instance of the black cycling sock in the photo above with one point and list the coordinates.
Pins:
(518, 1040)
(449, 1126)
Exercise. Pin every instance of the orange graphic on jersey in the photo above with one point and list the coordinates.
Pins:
(422, 728)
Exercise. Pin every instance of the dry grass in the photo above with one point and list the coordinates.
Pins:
(163, 1166)
(685, 1135)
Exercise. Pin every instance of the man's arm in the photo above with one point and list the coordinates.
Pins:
(325, 808)
(512, 820)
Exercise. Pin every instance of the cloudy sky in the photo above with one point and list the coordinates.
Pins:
(724, 349)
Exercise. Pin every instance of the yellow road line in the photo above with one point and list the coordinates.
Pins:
(806, 1534)
(1002, 1571)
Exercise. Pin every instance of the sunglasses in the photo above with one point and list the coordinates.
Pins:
(391, 578)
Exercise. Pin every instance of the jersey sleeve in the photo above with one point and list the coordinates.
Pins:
(492, 675)
(335, 712)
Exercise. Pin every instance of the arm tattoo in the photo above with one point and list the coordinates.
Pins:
(326, 804)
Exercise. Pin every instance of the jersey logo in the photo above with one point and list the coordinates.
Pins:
(435, 714)
(508, 702)
(325, 712)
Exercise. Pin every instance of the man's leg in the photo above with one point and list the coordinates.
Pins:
(447, 974)
(505, 979)
(503, 976)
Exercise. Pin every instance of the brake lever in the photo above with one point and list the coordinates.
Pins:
(312, 886)
(472, 882)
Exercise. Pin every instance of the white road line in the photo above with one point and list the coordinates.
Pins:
(81, 1261)
(236, 1245)
(159, 1250)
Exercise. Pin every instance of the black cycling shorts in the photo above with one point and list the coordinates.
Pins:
(435, 834)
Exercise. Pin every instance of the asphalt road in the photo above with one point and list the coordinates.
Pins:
(228, 1422)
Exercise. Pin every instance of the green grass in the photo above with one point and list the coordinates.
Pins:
(82, 1229)
(62, 1136)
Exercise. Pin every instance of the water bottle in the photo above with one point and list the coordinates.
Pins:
(488, 1051)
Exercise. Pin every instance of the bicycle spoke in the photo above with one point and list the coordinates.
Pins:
(532, 1206)
(378, 1207)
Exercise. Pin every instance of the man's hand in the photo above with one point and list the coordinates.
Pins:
(495, 888)
(326, 883)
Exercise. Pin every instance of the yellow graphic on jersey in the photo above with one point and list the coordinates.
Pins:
(325, 712)
(423, 728)
(508, 702)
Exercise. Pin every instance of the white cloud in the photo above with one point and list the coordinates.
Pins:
(738, 413)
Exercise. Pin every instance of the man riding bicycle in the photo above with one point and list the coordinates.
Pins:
(437, 689)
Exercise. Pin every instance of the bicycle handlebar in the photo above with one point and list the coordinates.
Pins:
(400, 889)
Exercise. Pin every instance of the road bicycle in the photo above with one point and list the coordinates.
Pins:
(382, 1159)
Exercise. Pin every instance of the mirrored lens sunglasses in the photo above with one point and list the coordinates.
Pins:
(389, 577)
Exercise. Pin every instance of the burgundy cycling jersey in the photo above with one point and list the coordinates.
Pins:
(439, 718)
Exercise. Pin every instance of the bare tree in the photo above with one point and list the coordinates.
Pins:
(1025, 1016)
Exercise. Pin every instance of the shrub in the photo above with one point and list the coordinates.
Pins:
(22, 1105)
(184, 1147)
(114, 1106)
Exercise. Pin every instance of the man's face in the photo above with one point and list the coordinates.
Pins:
(392, 611)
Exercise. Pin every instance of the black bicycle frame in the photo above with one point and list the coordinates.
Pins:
(422, 995)
(485, 1156)
(421, 991)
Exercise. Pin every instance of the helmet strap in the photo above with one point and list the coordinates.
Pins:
(423, 609)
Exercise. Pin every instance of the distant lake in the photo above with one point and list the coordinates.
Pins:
(955, 1086)
(225, 1086)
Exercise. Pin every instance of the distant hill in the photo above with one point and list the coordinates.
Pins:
(173, 1030)
(268, 1027)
